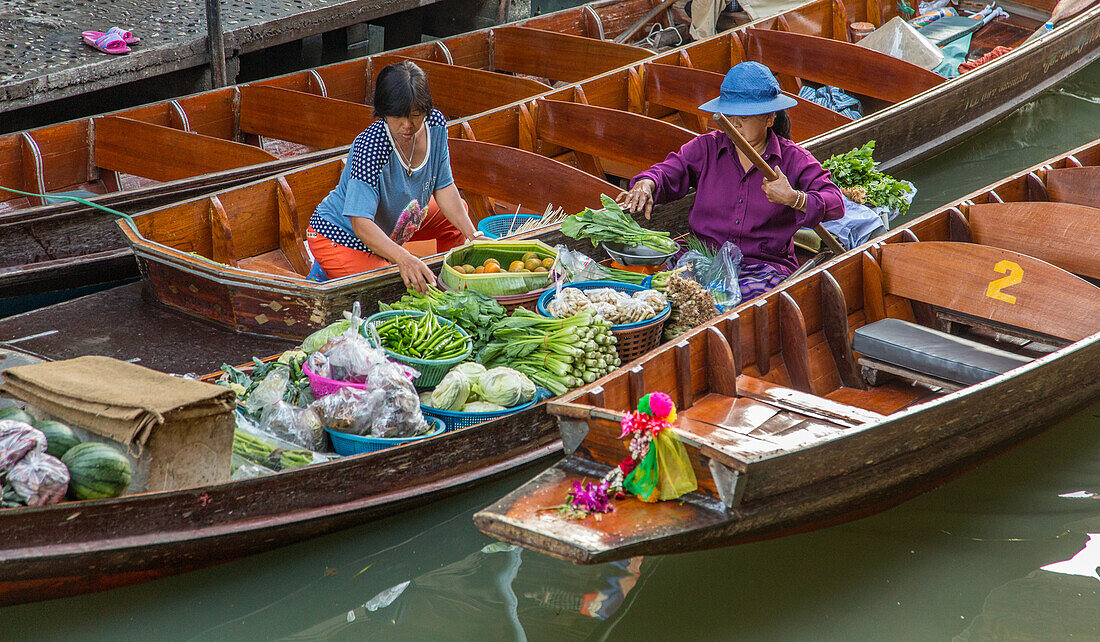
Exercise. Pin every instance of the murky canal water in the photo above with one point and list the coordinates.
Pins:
(1005, 551)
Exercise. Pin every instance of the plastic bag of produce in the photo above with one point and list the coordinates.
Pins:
(16, 440)
(505, 387)
(387, 412)
(718, 274)
(315, 341)
(257, 446)
(40, 479)
(631, 310)
(299, 426)
(452, 391)
(657, 301)
(269, 391)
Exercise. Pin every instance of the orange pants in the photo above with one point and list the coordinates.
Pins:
(337, 260)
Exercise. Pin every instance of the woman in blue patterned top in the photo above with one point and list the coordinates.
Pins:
(396, 187)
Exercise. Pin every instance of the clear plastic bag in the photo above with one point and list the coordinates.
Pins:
(572, 266)
(718, 274)
(630, 310)
(268, 391)
(16, 440)
(40, 479)
(656, 301)
(567, 302)
(384, 411)
(299, 426)
(260, 447)
(605, 295)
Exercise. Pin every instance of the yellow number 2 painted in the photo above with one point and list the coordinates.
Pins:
(1014, 275)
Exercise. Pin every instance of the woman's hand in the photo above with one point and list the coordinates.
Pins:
(414, 272)
(639, 198)
(779, 191)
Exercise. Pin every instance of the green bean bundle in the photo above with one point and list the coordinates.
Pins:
(422, 337)
(259, 451)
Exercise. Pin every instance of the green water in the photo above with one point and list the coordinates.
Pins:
(999, 553)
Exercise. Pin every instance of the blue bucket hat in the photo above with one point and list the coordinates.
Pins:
(749, 89)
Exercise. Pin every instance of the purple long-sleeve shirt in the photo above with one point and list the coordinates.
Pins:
(730, 204)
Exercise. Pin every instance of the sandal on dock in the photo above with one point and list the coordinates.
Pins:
(110, 43)
(127, 36)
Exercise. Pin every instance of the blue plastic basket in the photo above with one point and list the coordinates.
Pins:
(347, 444)
(499, 225)
(455, 419)
(629, 288)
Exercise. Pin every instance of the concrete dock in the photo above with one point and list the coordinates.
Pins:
(43, 59)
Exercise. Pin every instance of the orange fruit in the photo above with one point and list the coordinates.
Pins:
(469, 269)
(489, 262)
(479, 269)
(516, 266)
(527, 256)
(493, 268)
(532, 263)
(541, 270)
(548, 263)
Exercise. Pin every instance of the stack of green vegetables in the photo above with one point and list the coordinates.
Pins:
(557, 354)
(297, 390)
(259, 451)
(473, 311)
(855, 170)
(422, 337)
(613, 225)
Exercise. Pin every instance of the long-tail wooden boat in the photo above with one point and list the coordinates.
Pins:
(913, 116)
(835, 396)
(72, 548)
(232, 135)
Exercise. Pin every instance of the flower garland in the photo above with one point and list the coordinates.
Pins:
(657, 467)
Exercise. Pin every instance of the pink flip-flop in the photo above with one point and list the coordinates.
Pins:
(110, 43)
(127, 36)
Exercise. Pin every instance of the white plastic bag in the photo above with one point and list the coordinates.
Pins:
(40, 479)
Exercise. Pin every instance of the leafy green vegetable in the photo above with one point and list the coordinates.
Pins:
(452, 392)
(612, 224)
(505, 387)
(697, 244)
(857, 169)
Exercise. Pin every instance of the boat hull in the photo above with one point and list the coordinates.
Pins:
(78, 547)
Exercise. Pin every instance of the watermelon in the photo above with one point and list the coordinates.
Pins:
(16, 414)
(59, 437)
(97, 470)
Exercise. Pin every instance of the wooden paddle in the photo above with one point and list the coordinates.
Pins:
(725, 125)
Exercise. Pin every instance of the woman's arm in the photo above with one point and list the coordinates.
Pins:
(809, 190)
(414, 272)
(450, 204)
(668, 180)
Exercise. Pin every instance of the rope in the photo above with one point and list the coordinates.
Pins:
(82, 201)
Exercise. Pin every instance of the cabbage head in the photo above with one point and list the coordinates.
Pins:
(505, 387)
(482, 406)
(452, 391)
(317, 340)
(471, 369)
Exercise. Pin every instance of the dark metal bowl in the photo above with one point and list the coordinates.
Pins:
(636, 254)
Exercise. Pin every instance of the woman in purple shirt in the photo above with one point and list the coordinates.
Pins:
(733, 202)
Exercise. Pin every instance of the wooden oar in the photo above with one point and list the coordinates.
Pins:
(622, 37)
(725, 125)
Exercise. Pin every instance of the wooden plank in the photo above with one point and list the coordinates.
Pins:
(800, 402)
(722, 377)
(684, 89)
(303, 118)
(1080, 185)
(874, 299)
(992, 283)
(557, 56)
(792, 334)
(834, 323)
(622, 137)
(523, 178)
(123, 145)
(1064, 234)
(740, 415)
(291, 241)
(221, 234)
(762, 337)
(840, 64)
(461, 91)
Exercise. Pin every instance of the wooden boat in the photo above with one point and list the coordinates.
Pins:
(80, 245)
(235, 134)
(789, 428)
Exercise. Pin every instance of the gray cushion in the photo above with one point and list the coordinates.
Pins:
(931, 352)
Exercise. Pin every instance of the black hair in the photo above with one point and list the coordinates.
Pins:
(782, 124)
(400, 89)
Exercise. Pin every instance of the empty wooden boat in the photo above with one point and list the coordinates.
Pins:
(855, 387)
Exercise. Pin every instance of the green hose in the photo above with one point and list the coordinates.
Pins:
(77, 200)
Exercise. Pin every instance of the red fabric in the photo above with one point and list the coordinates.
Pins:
(973, 64)
(337, 260)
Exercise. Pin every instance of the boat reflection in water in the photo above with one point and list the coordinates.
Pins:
(534, 596)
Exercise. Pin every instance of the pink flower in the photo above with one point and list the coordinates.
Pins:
(660, 405)
(589, 497)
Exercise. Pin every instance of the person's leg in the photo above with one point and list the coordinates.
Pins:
(437, 227)
(758, 278)
(337, 260)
